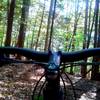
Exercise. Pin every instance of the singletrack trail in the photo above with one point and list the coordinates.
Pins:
(18, 80)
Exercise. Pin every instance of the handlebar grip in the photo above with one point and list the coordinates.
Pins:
(80, 55)
(37, 56)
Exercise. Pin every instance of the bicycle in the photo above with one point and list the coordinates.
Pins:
(53, 63)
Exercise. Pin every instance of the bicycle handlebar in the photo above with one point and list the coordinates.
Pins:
(44, 56)
(80, 55)
(37, 56)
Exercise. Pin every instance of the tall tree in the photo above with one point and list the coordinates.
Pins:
(77, 16)
(23, 23)
(34, 28)
(84, 68)
(95, 68)
(72, 40)
(99, 33)
(32, 38)
(52, 24)
(48, 26)
(90, 24)
(40, 26)
(10, 22)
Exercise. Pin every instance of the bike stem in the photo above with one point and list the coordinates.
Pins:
(52, 91)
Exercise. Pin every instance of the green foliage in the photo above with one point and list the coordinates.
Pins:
(63, 23)
(79, 40)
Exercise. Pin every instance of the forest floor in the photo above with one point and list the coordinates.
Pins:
(17, 82)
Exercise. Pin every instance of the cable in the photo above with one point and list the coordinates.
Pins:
(64, 87)
(67, 77)
(41, 89)
(36, 86)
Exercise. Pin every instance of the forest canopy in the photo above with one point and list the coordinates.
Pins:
(66, 25)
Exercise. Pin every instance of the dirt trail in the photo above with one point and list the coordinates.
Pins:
(18, 80)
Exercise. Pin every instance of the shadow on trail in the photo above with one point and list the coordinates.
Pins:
(87, 89)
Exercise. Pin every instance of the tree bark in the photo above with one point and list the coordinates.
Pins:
(52, 24)
(48, 26)
(95, 68)
(84, 67)
(77, 16)
(90, 26)
(23, 24)
(32, 39)
(96, 23)
(10, 22)
(39, 31)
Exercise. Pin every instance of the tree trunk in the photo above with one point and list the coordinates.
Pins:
(90, 26)
(84, 67)
(95, 68)
(48, 26)
(96, 23)
(74, 32)
(10, 22)
(90, 33)
(77, 16)
(73, 48)
(52, 24)
(39, 31)
(23, 23)
(32, 39)
(99, 33)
